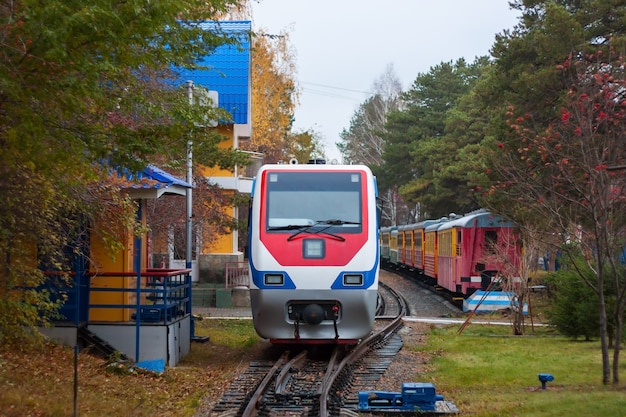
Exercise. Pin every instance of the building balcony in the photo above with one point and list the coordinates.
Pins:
(241, 179)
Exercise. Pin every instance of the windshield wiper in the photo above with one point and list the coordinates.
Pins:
(290, 227)
(335, 222)
(313, 230)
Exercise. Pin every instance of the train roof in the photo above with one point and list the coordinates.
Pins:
(436, 224)
(479, 218)
(419, 225)
(313, 167)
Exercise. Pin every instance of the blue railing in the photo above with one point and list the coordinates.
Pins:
(160, 295)
(72, 290)
(153, 296)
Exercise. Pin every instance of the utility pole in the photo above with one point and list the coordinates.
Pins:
(189, 256)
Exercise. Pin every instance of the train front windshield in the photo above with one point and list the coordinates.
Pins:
(329, 199)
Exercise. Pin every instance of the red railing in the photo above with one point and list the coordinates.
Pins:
(237, 274)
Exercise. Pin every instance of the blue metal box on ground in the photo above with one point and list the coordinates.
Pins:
(415, 397)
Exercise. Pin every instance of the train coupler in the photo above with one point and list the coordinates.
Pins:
(296, 330)
(335, 316)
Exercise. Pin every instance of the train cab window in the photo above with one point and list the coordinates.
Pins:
(491, 242)
(459, 242)
(329, 200)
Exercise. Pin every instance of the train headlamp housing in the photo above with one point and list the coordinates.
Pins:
(353, 279)
(274, 279)
(313, 248)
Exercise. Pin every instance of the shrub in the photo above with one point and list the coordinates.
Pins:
(574, 307)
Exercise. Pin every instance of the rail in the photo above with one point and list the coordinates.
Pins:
(310, 384)
(362, 348)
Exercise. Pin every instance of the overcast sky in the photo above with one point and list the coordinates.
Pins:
(343, 46)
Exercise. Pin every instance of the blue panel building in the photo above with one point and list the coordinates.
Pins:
(227, 70)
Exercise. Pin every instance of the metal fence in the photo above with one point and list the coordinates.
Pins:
(237, 274)
(161, 295)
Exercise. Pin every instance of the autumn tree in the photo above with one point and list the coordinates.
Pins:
(211, 217)
(274, 95)
(564, 173)
(87, 87)
(555, 93)
(304, 146)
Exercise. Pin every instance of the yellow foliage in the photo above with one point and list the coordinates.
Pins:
(274, 95)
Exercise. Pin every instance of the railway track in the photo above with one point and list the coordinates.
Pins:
(324, 381)
(425, 282)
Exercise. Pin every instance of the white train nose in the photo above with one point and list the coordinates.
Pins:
(313, 314)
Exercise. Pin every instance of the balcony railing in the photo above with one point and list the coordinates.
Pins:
(249, 171)
(160, 296)
(242, 179)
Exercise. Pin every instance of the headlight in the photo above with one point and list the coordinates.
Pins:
(353, 279)
(313, 248)
(274, 279)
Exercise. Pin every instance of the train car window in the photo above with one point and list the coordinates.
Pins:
(430, 242)
(445, 243)
(459, 242)
(332, 200)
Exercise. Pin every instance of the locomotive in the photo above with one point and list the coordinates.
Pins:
(461, 254)
(313, 253)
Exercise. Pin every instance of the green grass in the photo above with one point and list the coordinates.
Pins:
(231, 333)
(227, 338)
(486, 371)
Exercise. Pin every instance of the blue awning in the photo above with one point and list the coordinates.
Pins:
(152, 182)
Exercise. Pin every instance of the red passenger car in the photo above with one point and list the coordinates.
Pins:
(474, 249)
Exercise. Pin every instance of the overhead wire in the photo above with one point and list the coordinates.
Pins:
(330, 94)
(333, 94)
(336, 88)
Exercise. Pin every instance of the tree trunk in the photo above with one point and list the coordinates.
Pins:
(606, 365)
(619, 324)
(518, 315)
